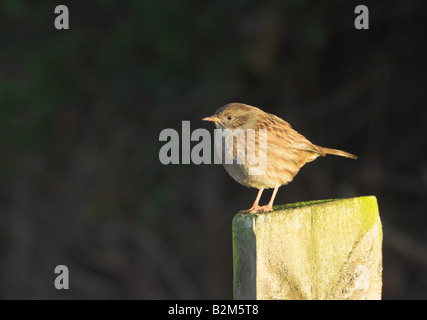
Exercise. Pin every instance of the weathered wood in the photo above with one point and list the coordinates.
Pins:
(328, 249)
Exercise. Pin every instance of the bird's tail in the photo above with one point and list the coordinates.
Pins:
(338, 153)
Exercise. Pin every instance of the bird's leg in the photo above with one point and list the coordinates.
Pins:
(269, 206)
(255, 207)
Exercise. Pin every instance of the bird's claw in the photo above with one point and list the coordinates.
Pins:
(257, 209)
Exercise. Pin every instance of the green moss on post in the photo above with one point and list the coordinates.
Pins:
(329, 249)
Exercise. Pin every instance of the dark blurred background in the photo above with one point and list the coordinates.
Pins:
(81, 111)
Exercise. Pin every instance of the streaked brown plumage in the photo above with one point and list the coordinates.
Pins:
(286, 150)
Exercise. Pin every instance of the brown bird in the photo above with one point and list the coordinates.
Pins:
(285, 150)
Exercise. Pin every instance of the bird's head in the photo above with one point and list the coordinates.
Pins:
(234, 115)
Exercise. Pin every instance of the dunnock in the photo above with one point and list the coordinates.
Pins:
(286, 150)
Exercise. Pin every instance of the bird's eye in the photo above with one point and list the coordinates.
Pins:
(229, 118)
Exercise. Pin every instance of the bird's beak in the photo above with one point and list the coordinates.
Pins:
(212, 119)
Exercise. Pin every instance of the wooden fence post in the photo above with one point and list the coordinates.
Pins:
(327, 249)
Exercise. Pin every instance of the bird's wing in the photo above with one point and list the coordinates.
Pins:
(288, 136)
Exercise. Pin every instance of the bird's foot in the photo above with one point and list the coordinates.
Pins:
(258, 209)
